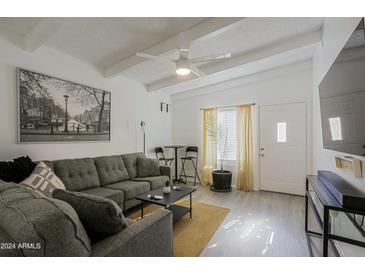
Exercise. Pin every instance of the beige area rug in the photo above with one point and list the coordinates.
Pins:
(192, 235)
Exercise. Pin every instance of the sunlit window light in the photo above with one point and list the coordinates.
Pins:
(335, 125)
(281, 132)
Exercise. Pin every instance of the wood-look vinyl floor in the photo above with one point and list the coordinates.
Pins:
(260, 223)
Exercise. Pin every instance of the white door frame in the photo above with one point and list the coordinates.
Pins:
(259, 137)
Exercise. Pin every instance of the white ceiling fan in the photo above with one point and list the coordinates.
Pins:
(186, 65)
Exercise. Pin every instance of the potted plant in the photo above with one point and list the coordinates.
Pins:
(222, 179)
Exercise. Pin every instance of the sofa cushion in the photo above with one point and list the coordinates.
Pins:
(44, 226)
(131, 203)
(48, 163)
(147, 167)
(111, 169)
(155, 181)
(130, 162)
(131, 188)
(112, 194)
(43, 180)
(100, 216)
(77, 174)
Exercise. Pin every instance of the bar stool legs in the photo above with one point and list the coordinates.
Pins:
(196, 175)
(183, 171)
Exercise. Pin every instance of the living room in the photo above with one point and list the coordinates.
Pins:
(181, 135)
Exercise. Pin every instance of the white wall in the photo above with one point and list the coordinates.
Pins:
(288, 84)
(130, 104)
(336, 32)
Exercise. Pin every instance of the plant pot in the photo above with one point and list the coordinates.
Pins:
(222, 180)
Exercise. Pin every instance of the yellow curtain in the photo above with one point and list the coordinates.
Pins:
(209, 144)
(244, 148)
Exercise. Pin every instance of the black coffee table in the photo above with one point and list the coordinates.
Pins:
(169, 200)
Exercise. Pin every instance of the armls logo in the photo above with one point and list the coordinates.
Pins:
(29, 245)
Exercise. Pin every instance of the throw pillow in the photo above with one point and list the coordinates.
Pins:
(147, 167)
(100, 216)
(43, 180)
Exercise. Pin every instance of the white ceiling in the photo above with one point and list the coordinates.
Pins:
(110, 44)
(104, 41)
(253, 33)
(18, 26)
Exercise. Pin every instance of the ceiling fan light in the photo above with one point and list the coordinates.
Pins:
(182, 67)
(182, 71)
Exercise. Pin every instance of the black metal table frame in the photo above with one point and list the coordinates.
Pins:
(325, 224)
(176, 179)
(170, 207)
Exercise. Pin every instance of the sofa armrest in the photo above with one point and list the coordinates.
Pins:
(166, 171)
(148, 237)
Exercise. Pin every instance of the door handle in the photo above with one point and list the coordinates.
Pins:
(262, 155)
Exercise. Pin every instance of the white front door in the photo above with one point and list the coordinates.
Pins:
(283, 148)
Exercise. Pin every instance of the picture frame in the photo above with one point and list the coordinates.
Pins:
(54, 110)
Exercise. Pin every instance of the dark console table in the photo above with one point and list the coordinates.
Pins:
(337, 222)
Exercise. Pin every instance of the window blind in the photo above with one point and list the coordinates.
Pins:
(226, 120)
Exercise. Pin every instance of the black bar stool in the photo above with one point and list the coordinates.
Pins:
(191, 154)
(161, 156)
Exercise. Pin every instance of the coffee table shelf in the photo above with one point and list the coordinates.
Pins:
(178, 211)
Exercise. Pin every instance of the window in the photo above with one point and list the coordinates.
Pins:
(335, 125)
(281, 132)
(226, 130)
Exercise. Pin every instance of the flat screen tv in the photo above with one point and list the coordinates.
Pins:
(342, 98)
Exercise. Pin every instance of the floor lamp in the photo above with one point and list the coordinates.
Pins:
(143, 128)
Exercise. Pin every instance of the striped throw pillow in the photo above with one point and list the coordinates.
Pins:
(43, 180)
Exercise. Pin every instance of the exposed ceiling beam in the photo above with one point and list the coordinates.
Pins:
(37, 36)
(267, 57)
(205, 30)
(17, 40)
(273, 73)
(41, 32)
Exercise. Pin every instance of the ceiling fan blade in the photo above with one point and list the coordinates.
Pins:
(209, 58)
(154, 57)
(196, 71)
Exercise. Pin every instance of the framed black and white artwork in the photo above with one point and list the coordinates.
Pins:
(55, 110)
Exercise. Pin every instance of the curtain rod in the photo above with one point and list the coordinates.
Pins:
(252, 104)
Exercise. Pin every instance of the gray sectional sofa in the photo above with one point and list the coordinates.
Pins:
(49, 227)
(113, 177)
